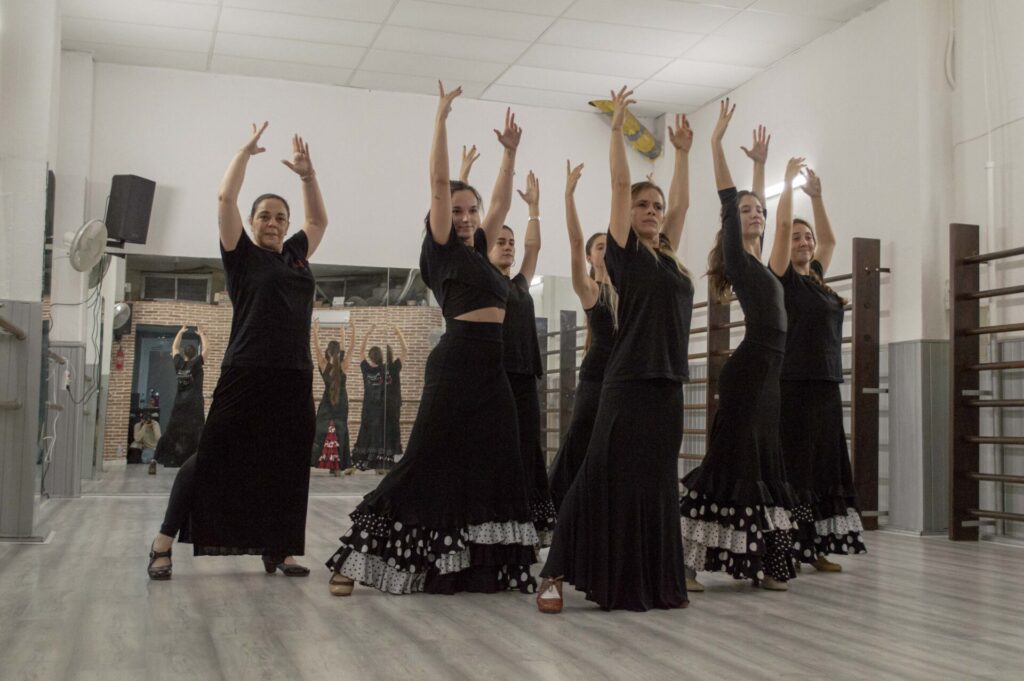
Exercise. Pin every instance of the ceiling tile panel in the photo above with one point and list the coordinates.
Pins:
(445, 68)
(372, 80)
(374, 11)
(836, 10)
(279, 69)
(455, 45)
(662, 14)
(149, 12)
(135, 35)
(533, 97)
(601, 62)
(279, 49)
(297, 27)
(786, 29)
(549, 8)
(661, 91)
(629, 39)
(140, 56)
(738, 52)
(706, 73)
(564, 81)
(468, 20)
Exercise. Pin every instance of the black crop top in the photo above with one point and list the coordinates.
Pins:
(519, 331)
(462, 278)
(815, 336)
(602, 337)
(756, 286)
(272, 296)
(655, 306)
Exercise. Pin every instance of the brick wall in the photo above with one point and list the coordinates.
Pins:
(416, 323)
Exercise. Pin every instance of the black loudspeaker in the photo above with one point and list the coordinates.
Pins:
(131, 201)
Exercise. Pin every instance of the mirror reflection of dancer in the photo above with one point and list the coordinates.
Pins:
(246, 489)
(393, 396)
(369, 452)
(453, 514)
(618, 536)
(330, 443)
(188, 413)
(736, 506)
(598, 298)
(813, 436)
(522, 355)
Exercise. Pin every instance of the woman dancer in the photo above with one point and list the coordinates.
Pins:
(618, 536)
(522, 355)
(453, 515)
(245, 491)
(813, 437)
(369, 451)
(736, 505)
(330, 443)
(393, 397)
(598, 300)
(189, 411)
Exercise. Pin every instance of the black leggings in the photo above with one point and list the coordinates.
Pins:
(182, 493)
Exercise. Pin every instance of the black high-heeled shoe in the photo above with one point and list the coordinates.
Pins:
(274, 563)
(163, 572)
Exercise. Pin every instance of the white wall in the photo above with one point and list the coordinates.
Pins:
(370, 150)
(869, 108)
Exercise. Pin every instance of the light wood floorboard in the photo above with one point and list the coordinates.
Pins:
(81, 608)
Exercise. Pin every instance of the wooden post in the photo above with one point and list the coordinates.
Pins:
(566, 370)
(964, 353)
(541, 324)
(864, 388)
(718, 347)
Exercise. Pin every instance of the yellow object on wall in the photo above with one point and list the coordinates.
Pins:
(640, 138)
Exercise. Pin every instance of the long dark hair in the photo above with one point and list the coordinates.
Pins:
(719, 285)
(606, 293)
(815, 274)
(333, 373)
(375, 355)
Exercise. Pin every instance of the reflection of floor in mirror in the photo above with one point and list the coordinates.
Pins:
(120, 478)
(82, 607)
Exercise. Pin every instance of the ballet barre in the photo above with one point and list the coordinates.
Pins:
(967, 399)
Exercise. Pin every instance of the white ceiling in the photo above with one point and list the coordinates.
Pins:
(678, 54)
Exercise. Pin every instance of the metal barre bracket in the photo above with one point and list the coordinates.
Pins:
(975, 393)
(875, 391)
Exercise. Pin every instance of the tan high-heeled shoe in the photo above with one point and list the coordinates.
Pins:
(341, 585)
(547, 603)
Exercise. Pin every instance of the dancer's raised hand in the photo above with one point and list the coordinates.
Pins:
(444, 105)
(468, 159)
(252, 147)
(793, 169)
(572, 176)
(682, 135)
(532, 193)
(300, 164)
(812, 185)
(510, 136)
(620, 103)
(758, 151)
(725, 113)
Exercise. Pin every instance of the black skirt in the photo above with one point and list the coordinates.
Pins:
(618, 538)
(577, 439)
(524, 390)
(369, 451)
(453, 514)
(252, 467)
(736, 506)
(818, 467)
(181, 439)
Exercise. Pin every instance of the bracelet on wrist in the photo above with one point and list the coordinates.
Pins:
(535, 217)
(307, 178)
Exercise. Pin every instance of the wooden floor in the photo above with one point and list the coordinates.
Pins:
(81, 607)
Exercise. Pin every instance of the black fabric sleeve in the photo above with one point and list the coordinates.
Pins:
(298, 244)
(479, 241)
(732, 235)
(179, 362)
(616, 256)
(520, 281)
(232, 258)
